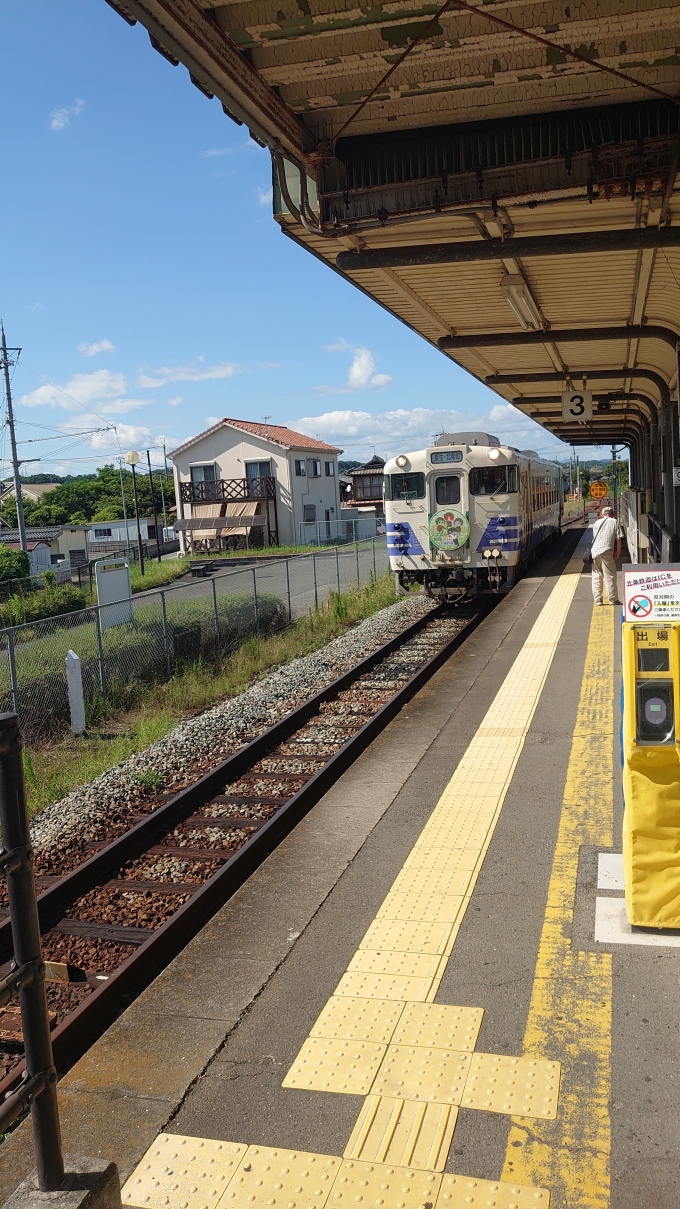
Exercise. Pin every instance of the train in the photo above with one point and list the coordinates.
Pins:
(466, 516)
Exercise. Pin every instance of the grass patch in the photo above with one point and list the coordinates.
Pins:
(54, 769)
(157, 574)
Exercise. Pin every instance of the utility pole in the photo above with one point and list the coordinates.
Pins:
(132, 459)
(122, 496)
(16, 465)
(153, 505)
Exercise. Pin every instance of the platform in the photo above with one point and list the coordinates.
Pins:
(407, 1005)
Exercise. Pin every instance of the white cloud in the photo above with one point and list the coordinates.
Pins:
(362, 372)
(61, 118)
(91, 350)
(184, 373)
(37, 306)
(264, 194)
(174, 402)
(210, 420)
(402, 429)
(216, 152)
(80, 390)
(131, 436)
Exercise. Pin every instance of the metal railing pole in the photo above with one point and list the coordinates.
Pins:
(356, 548)
(375, 572)
(12, 671)
(217, 617)
(316, 590)
(290, 611)
(17, 862)
(166, 636)
(255, 604)
(100, 652)
(337, 567)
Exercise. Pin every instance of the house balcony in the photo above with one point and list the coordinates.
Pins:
(217, 491)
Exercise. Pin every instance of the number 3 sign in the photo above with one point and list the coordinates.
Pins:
(577, 405)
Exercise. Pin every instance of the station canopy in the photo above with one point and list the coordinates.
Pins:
(500, 177)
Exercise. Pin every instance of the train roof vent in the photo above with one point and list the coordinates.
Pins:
(467, 438)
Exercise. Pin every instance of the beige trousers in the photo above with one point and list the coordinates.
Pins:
(604, 567)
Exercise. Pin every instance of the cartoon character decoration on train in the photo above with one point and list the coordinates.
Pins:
(449, 530)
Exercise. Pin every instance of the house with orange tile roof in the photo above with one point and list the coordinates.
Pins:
(241, 484)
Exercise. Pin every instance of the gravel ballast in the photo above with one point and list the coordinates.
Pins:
(202, 742)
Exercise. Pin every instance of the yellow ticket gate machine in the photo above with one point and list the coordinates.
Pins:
(651, 773)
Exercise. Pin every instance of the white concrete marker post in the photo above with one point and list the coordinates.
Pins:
(76, 700)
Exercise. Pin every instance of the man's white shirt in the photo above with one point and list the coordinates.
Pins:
(606, 532)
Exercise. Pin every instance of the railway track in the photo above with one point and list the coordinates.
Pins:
(130, 901)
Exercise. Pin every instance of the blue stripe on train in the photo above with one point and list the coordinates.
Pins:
(401, 540)
(507, 534)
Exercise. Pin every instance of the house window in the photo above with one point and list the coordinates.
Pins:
(368, 487)
(102, 532)
(300, 467)
(309, 513)
(314, 469)
(203, 474)
(258, 470)
(151, 532)
(330, 470)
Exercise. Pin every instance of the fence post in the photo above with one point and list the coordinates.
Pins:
(40, 1086)
(166, 636)
(290, 611)
(12, 671)
(100, 652)
(356, 548)
(76, 699)
(375, 573)
(255, 604)
(316, 590)
(217, 617)
(337, 567)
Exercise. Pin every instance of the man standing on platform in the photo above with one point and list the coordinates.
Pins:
(605, 550)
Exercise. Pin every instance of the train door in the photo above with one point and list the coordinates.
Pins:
(449, 511)
(526, 507)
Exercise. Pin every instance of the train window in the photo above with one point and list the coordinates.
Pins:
(489, 480)
(387, 493)
(447, 489)
(407, 487)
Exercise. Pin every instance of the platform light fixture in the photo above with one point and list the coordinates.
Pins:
(402, 461)
(518, 297)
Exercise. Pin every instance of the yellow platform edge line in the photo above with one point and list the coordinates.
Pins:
(570, 1009)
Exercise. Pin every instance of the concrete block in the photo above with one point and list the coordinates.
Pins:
(89, 1184)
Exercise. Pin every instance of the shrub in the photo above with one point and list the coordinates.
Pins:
(50, 603)
(14, 564)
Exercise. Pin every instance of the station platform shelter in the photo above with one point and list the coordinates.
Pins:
(428, 996)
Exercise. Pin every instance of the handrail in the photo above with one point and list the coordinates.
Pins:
(27, 976)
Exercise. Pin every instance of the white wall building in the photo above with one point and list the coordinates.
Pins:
(242, 483)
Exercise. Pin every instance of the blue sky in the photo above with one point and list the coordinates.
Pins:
(150, 288)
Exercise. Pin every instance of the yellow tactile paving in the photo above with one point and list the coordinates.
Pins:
(374, 1185)
(410, 1072)
(282, 1179)
(525, 1087)
(461, 1191)
(183, 1172)
(331, 1064)
(403, 1132)
(387, 961)
(358, 1019)
(432, 881)
(439, 857)
(407, 936)
(425, 907)
(438, 1026)
(358, 984)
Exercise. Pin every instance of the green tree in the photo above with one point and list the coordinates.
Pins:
(84, 498)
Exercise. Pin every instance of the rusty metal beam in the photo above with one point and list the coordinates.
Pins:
(185, 32)
(575, 335)
(472, 251)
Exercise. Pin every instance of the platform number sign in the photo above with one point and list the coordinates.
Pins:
(577, 405)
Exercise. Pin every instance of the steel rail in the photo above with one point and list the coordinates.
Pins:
(82, 1027)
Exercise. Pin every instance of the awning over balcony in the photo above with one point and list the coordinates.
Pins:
(240, 519)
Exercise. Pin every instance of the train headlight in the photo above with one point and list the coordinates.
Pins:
(401, 461)
(494, 454)
(486, 554)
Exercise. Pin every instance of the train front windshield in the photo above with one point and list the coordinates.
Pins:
(493, 480)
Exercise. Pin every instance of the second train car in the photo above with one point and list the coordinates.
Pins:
(467, 515)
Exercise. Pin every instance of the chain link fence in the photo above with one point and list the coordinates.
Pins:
(148, 638)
